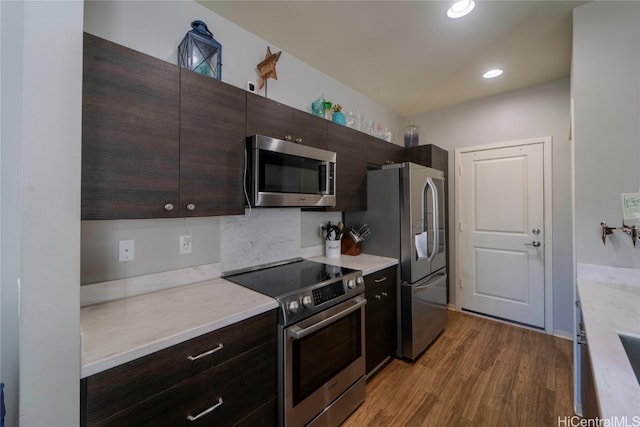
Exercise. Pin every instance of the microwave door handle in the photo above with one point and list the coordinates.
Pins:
(327, 178)
(327, 181)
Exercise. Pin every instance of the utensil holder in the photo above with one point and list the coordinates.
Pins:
(350, 246)
(332, 248)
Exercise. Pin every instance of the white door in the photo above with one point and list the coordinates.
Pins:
(502, 233)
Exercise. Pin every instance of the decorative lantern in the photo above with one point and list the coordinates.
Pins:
(200, 52)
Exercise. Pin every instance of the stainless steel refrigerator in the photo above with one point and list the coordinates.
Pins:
(405, 212)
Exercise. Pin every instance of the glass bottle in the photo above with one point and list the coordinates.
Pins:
(411, 135)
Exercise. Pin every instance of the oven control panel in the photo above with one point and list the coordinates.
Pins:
(327, 293)
(313, 300)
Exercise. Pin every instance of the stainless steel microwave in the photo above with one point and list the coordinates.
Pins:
(283, 173)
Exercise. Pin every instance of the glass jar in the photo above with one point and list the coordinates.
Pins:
(351, 120)
(411, 135)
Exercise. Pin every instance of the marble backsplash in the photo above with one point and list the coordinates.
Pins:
(263, 236)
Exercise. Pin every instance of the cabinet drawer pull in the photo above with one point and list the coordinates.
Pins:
(377, 296)
(191, 207)
(206, 353)
(206, 411)
(384, 294)
(380, 280)
(168, 207)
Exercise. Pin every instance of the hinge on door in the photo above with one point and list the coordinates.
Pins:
(460, 227)
(460, 283)
(460, 170)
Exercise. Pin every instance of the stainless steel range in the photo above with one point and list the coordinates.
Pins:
(321, 360)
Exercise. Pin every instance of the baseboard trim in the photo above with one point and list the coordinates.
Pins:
(563, 334)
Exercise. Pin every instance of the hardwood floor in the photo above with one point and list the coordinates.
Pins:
(477, 373)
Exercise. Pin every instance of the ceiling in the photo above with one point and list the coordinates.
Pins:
(407, 55)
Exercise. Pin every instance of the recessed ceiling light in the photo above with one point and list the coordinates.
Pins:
(492, 73)
(461, 8)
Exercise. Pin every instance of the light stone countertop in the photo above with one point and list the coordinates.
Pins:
(610, 301)
(367, 263)
(119, 331)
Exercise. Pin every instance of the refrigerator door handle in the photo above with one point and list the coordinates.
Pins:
(433, 280)
(434, 199)
(436, 220)
(420, 252)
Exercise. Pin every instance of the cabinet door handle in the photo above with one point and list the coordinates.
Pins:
(206, 353)
(378, 297)
(380, 280)
(206, 411)
(191, 207)
(384, 294)
(168, 207)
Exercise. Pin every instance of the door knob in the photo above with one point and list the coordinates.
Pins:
(535, 244)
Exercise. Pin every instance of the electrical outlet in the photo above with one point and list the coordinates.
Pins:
(185, 244)
(126, 250)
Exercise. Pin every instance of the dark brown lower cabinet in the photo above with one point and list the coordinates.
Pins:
(589, 401)
(380, 317)
(167, 389)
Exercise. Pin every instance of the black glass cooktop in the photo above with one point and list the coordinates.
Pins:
(288, 278)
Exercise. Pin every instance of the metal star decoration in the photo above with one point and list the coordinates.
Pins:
(267, 68)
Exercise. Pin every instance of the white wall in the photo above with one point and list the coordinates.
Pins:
(10, 201)
(542, 110)
(157, 27)
(606, 93)
(50, 142)
(156, 246)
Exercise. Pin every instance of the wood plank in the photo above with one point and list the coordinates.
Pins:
(478, 373)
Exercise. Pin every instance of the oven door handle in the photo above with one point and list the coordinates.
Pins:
(297, 332)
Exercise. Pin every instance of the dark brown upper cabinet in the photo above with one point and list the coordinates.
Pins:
(429, 155)
(351, 166)
(212, 144)
(380, 153)
(157, 141)
(270, 118)
(130, 131)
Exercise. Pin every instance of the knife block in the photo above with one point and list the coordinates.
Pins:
(350, 247)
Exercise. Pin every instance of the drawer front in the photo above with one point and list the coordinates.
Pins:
(121, 387)
(374, 282)
(238, 388)
(264, 416)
